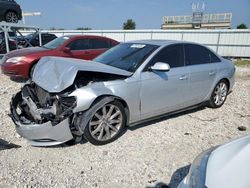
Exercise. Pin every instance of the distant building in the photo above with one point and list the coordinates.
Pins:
(198, 20)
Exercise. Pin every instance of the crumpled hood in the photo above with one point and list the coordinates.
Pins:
(54, 74)
(228, 165)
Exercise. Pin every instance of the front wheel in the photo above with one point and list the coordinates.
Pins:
(106, 124)
(219, 94)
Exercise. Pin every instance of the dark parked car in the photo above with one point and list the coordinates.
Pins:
(20, 63)
(33, 39)
(10, 11)
(12, 42)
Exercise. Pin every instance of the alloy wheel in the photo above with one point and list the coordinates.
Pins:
(11, 17)
(220, 93)
(106, 122)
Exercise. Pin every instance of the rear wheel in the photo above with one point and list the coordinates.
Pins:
(106, 124)
(219, 94)
(11, 17)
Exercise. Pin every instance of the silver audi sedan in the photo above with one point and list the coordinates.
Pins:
(132, 82)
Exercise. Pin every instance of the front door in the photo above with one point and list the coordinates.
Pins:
(162, 92)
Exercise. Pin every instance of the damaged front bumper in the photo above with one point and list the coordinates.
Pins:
(45, 134)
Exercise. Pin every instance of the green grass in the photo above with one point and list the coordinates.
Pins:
(242, 63)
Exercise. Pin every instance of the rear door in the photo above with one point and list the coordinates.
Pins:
(202, 72)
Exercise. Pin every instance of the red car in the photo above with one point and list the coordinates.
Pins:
(20, 63)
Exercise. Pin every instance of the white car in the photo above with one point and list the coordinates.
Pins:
(225, 166)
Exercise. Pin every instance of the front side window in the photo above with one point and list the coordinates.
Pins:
(173, 55)
(196, 54)
(126, 56)
(79, 44)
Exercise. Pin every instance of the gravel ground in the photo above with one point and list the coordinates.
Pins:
(155, 154)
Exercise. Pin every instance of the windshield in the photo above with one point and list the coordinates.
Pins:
(126, 56)
(56, 42)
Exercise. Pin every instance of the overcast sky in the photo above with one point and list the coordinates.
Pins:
(110, 14)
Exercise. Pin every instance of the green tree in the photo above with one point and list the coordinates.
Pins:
(242, 26)
(83, 28)
(129, 25)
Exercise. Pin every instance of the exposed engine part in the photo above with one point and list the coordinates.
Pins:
(37, 113)
(39, 106)
(85, 78)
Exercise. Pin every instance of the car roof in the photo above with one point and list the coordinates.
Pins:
(156, 42)
(162, 42)
(72, 36)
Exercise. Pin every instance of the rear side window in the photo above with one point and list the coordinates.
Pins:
(196, 54)
(214, 58)
(99, 43)
(173, 55)
(79, 44)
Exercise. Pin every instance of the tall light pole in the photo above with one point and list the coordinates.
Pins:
(30, 14)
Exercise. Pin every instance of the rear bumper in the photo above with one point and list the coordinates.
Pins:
(44, 134)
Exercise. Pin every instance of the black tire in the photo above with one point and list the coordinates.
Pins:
(215, 100)
(11, 17)
(91, 128)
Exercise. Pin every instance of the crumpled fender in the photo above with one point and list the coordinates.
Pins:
(85, 117)
(87, 95)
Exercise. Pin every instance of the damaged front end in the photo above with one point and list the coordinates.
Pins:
(41, 117)
(51, 108)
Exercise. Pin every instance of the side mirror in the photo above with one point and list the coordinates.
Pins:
(66, 50)
(160, 66)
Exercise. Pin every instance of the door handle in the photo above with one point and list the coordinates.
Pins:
(211, 73)
(183, 77)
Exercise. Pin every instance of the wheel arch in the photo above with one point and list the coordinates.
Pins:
(10, 10)
(225, 79)
(33, 63)
(122, 101)
(227, 82)
(211, 102)
(214, 85)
